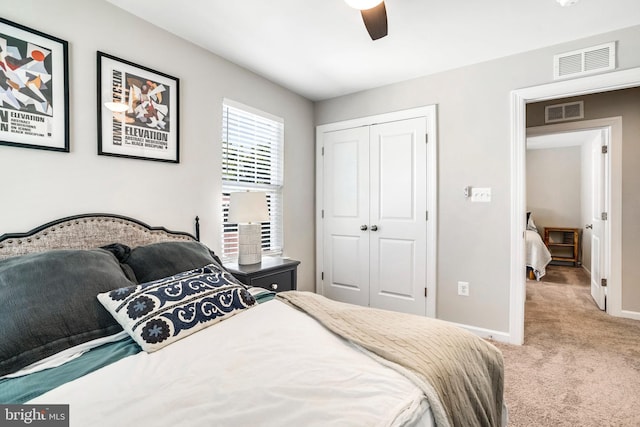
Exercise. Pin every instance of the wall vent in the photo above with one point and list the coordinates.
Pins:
(564, 112)
(585, 61)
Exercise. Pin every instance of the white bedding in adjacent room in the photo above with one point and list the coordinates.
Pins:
(537, 254)
(329, 381)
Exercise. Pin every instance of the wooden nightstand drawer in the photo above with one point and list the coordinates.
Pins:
(273, 273)
(278, 282)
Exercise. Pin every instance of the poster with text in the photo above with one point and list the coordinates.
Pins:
(34, 88)
(137, 111)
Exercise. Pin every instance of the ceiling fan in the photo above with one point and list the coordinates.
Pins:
(374, 15)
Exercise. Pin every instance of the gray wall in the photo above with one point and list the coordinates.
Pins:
(626, 104)
(473, 146)
(554, 190)
(38, 186)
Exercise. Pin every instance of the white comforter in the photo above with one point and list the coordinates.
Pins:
(268, 366)
(538, 256)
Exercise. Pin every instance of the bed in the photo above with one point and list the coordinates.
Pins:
(129, 324)
(537, 253)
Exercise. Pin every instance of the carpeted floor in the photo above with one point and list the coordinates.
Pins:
(578, 365)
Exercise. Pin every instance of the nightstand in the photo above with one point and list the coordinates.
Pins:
(273, 273)
(563, 243)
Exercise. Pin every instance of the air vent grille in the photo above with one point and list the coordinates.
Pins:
(570, 64)
(564, 112)
(585, 61)
(596, 59)
(554, 113)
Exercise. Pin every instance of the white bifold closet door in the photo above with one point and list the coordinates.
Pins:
(346, 213)
(375, 225)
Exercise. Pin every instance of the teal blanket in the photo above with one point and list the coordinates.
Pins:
(23, 389)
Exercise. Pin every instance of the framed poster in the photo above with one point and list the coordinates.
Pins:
(34, 89)
(137, 111)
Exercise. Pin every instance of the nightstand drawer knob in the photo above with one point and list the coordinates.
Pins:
(274, 286)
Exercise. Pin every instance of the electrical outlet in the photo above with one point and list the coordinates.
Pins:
(463, 289)
(481, 194)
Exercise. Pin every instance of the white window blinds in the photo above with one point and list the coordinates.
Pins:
(252, 159)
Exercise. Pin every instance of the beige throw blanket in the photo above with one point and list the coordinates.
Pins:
(461, 374)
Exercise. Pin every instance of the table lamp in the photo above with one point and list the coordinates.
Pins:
(248, 209)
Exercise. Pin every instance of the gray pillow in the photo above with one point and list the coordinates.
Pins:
(48, 303)
(160, 260)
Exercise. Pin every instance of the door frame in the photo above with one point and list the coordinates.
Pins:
(519, 98)
(614, 175)
(430, 113)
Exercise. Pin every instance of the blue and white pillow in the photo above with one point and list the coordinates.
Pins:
(161, 312)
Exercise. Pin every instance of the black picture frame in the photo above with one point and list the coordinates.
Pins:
(34, 93)
(149, 128)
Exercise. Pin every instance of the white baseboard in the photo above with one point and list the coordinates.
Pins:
(499, 336)
(630, 314)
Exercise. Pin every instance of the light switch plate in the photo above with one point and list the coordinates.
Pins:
(480, 194)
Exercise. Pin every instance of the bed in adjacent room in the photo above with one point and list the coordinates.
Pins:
(537, 253)
(136, 325)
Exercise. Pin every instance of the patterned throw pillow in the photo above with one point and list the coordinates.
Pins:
(161, 312)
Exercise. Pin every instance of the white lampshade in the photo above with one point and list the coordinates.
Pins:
(363, 4)
(248, 209)
(248, 206)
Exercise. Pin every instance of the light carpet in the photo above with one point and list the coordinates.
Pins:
(578, 365)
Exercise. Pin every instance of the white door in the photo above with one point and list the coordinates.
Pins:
(398, 223)
(346, 215)
(600, 185)
(375, 225)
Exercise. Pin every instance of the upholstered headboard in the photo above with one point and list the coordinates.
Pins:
(88, 231)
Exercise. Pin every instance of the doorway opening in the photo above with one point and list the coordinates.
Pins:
(519, 99)
(568, 177)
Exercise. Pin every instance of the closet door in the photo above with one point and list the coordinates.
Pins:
(398, 223)
(346, 215)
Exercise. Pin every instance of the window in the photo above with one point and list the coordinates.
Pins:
(252, 159)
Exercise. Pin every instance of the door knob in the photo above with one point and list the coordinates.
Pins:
(588, 226)
(363, 227)
(374, 228)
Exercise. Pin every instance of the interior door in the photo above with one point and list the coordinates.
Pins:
(346, 215)
(398, 223)
(599, 250)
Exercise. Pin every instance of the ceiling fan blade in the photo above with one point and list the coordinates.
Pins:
(375, 19)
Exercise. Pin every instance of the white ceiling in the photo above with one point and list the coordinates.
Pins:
(321, 49)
